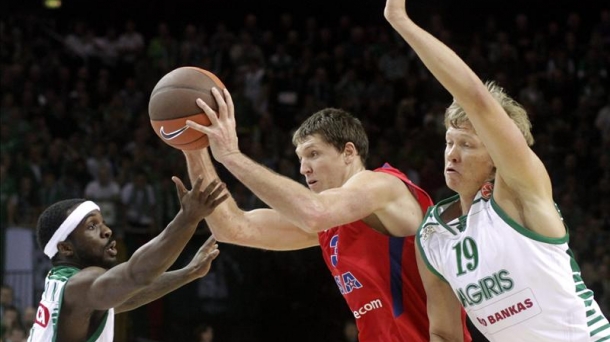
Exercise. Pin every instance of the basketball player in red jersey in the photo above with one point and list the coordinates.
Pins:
(363, 220)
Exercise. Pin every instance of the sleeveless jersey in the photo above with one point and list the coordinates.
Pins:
(515, 284)
(45, 325)
(378, 277)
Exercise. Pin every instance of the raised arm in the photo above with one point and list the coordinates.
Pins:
(170, 281)
(363, 194)
(95, 288)
(502, 138)
(522, 181)
(260, 228)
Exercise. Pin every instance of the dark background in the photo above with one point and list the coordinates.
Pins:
(466, 14)
(275, 296)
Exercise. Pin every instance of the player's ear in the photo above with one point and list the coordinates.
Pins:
(65, 248)
(349, 152)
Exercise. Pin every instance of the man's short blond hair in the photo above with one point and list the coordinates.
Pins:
(455, 115)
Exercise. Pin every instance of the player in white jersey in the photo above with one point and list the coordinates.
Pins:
(500, 251)
(515, 284)
(46, 323)
(84, 288)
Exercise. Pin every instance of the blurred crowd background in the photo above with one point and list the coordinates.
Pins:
(74, 123)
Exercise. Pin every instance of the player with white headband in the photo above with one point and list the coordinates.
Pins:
(86, 287)
(66, 227)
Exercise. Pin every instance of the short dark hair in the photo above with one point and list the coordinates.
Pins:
(336, 127)
(52, 217)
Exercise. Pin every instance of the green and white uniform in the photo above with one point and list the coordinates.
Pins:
(45, 325)
(514, 284)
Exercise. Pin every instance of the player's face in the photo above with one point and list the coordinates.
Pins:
(467, 163)
(322, 165)
(93, 242)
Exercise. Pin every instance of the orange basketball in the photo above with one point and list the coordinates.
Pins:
(172, 102)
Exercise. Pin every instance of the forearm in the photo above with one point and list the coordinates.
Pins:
(152, 259)
(443, 63)
(227, 222)
(164, 284)
(199, 163)
(262, 228)
(291, 199)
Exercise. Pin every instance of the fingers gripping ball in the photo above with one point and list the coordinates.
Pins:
(172, 102)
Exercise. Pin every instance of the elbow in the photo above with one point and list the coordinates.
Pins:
(143, 276)
(241, 233)
(316, 220)
(142, 280)
(444, 337)
(225, 235)
(223, 238)
(449, 330)
(314, 226)
(481, 100)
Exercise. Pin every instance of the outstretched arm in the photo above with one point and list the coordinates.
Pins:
(100, 289)
(522, 181)
(260, 228)
(170, 281)
(363, 194)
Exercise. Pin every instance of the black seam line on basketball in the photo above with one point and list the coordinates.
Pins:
(179, 117)
(190, 142)
(156, 91)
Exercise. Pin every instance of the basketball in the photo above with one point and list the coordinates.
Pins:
(172, 102)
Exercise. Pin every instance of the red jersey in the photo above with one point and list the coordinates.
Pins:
(378, 277)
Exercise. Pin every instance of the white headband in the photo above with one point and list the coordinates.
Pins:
(69, 224)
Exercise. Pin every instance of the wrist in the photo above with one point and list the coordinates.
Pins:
(195, 155)
(230, 157)
(397, 17)
(190, 273)
(182, 219)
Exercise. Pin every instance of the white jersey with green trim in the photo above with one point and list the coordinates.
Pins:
(47, 314)
(515, 285)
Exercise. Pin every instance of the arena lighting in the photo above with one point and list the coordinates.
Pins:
(52, 4)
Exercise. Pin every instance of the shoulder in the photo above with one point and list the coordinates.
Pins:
(78, 288)
(79, 294)
(421, 194)
(83, 279)
(376, 178)
(432, 230)
(431, 240)
(378, 183)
